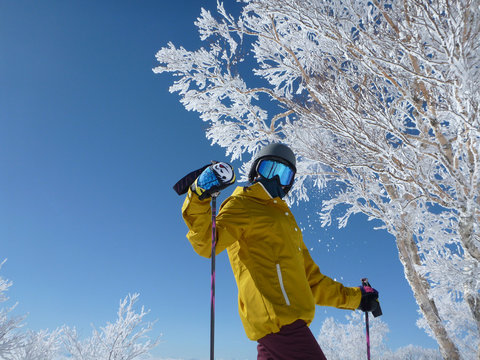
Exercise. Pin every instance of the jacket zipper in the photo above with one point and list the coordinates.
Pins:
(280, 279)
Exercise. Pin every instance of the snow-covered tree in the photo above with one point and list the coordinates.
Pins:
(11, 339)
(341, 341)
(41, 345)
(123, 340)
(347, 341)
(380, 99)
(411, 352)
(16, 344)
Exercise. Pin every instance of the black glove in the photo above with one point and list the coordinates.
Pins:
(214, 178)
(369, 300)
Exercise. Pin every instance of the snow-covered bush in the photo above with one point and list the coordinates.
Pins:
(11, 339)
(347, 341)
(126, 339)
(123, 340)
(41, 345)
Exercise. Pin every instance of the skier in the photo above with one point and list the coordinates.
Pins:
(278, 282)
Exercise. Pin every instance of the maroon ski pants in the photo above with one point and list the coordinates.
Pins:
(292, 342)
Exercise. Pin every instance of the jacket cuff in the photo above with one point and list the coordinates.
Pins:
(356, 297)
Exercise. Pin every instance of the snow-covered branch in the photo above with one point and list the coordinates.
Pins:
(123, 340)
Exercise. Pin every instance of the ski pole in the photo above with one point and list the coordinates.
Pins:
(376, 312)
(212, 291)
(221, 175)
(367, 325)
(181, 187)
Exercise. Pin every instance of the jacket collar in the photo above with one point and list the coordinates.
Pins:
(255, 190)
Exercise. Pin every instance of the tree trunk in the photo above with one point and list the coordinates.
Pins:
(467, 233)
(473, 301)
(472, 297)
(408, 252)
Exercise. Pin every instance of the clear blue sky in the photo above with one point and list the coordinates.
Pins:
(91, 142)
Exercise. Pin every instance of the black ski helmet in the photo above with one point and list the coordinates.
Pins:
(275, 151)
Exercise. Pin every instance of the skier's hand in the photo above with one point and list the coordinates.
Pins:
(216, 177)
(369, 300)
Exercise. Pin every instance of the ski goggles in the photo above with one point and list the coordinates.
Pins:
(271, 168)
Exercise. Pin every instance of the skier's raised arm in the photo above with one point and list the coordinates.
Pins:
(196, 210)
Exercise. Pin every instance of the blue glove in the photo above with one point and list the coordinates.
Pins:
(214, 178)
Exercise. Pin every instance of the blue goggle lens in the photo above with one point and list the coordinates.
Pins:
(271, 168)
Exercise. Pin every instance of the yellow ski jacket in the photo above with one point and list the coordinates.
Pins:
(278, 282)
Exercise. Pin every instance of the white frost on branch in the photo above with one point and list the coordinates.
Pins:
(123, 340)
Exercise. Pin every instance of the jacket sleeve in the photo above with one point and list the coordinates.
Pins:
(231, 221)
(328, 292)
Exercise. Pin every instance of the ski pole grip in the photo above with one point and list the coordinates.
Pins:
(378, 311)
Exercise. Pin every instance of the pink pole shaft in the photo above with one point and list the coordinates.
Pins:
(212, 281)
